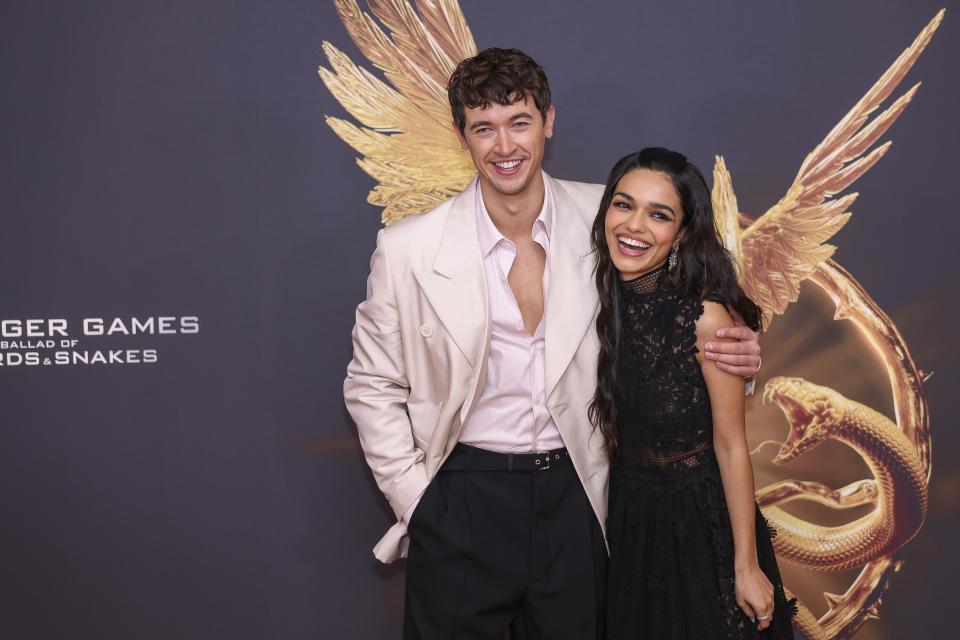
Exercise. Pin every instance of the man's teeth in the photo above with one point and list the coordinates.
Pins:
(634, 243)
(507, 165)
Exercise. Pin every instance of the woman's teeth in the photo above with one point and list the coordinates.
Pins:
(633, 244)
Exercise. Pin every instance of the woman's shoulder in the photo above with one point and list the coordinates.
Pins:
(713, 316)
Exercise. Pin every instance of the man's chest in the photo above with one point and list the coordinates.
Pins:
(518, 286)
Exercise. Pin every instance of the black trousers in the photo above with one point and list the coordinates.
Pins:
(497, 550)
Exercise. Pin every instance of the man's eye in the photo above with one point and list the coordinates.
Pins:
(521, 124)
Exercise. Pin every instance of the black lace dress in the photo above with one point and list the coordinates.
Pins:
(671, 545)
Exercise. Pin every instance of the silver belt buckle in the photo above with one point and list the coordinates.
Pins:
(546, 460)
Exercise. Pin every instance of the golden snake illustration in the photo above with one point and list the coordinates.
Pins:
(899, 491)
(897, 454)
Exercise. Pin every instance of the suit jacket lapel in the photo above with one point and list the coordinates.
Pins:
(572, 299)
(456, 287)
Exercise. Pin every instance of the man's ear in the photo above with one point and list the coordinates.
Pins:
(459, 134)
(548, 122)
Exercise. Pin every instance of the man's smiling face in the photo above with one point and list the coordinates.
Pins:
(506, 143)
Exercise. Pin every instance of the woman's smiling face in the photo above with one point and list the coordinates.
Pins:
(642, 222)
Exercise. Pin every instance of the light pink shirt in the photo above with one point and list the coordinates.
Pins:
(511, 414)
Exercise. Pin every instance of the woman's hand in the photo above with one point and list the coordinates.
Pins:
(755, 595)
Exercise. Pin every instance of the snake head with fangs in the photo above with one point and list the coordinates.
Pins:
(809, 408)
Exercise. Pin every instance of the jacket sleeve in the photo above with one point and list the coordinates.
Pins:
(376, 389)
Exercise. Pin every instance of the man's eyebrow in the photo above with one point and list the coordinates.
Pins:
(487, 123)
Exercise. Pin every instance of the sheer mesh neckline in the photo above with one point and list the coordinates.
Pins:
(646, 283)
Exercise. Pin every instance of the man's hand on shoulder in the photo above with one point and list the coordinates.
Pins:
(741, 357)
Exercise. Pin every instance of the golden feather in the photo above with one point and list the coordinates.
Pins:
(726, 212)
(404, 132)
(783, 247)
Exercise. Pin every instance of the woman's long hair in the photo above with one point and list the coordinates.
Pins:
(704, 269)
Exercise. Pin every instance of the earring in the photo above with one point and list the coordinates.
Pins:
(672, 260)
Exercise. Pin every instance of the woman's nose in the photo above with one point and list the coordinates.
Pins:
(637, 223)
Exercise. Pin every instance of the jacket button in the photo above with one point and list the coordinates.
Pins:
(426, 331)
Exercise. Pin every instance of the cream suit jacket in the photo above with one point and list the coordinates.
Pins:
(421, 338)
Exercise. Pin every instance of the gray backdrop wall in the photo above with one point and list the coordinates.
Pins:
(170, 160)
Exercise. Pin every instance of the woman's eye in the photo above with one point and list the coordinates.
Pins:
(659, 215)
(621, 205)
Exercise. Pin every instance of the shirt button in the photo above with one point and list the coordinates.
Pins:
(426, 331)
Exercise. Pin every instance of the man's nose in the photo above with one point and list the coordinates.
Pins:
(504, 145)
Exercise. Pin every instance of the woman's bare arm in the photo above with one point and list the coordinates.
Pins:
(754, 590)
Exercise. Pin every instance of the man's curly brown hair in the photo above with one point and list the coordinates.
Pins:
(496, 76)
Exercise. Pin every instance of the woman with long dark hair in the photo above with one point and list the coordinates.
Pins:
(690, 552)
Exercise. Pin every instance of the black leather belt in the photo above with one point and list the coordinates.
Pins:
(467, 458)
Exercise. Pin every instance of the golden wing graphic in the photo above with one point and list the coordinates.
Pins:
(405, 137)
(786, 245)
